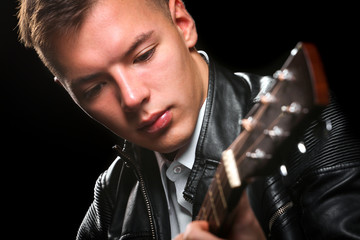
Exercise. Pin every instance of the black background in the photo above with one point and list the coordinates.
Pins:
(52, 152)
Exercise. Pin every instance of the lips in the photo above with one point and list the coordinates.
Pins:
(156, 122)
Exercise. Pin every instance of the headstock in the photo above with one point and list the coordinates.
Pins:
(299, 93)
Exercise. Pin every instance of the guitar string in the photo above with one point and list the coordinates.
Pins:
(222, 174)
(206, 207)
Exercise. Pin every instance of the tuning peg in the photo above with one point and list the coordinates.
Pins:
(283, 171)
(258, 154)
(284, 74)
(267, 98)
(248, 123)
(276, 132)
(292, 108)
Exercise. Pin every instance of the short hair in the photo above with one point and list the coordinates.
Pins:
(39, 21)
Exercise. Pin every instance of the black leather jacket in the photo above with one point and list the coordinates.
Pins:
(319, 199)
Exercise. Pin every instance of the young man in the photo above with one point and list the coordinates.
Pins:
(132, 66)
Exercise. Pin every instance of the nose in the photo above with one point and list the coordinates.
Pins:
(132, 90)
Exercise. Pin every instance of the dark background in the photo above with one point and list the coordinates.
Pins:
(52, 152)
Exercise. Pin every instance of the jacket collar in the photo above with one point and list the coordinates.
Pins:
(229, 99)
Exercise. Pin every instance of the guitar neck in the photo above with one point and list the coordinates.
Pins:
(220, 199)
(276, 121)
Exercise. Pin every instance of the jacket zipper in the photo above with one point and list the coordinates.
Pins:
(278, 213)
(137, 170)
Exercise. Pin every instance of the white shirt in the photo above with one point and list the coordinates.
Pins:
(174, 176)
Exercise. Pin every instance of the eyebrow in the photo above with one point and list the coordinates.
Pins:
(140, 39)
(79, 81)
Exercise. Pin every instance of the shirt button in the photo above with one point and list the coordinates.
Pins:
(177, 169)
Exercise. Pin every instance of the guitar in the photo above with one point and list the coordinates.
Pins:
(300, 91)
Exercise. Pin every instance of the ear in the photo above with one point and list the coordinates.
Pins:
(57, 80)
(184, 22)
(62, 84)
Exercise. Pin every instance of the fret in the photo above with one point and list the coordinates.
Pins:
(213, 207)
(215, 198)
(204, 213)
(221, 191)
(205, 209)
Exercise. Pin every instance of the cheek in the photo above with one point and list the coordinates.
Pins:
(172, 56)
(108, 113)
(170, 72)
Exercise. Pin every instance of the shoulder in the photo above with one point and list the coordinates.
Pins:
(109, 180)
(240, 83)
(97, 220)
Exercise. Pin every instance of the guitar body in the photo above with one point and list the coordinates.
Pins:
(281, 116)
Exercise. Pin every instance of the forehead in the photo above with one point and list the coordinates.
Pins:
(127, 13)
(108, 22)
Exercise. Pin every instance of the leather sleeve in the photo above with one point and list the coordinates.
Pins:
(327, 191)
(331, 206)
(97, 219)
(320, 196)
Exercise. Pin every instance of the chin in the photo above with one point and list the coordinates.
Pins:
(174, 142)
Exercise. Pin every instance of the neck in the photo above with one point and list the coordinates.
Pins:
(170, 156)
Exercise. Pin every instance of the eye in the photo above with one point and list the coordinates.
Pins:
(145, 57)
(94, 91)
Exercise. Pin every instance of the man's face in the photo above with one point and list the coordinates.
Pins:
(131, 69)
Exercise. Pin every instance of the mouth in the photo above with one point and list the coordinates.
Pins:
(156, 122)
